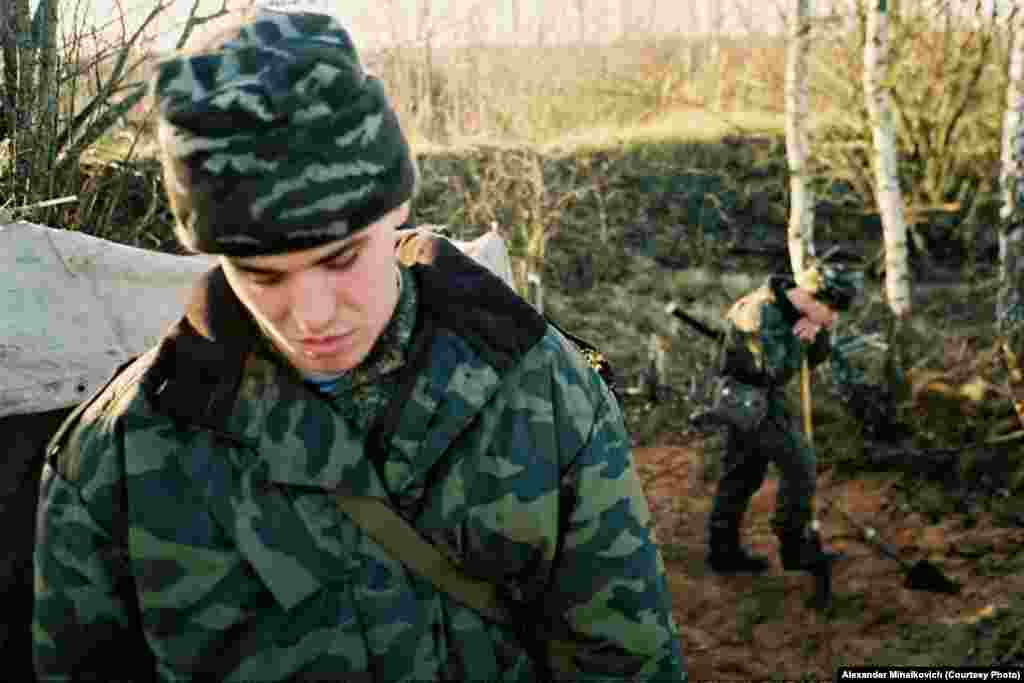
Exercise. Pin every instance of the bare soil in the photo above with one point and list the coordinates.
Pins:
(757, 628)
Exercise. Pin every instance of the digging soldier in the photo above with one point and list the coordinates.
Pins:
(771, 330)
(347, 460)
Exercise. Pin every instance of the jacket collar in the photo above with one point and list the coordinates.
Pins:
(298, 438)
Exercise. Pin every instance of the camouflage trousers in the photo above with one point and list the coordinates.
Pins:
(745, 464)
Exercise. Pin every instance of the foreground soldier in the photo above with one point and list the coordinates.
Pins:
(193, 518)
(770, 331)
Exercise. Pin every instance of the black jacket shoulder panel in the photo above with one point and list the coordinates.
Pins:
(470, 300)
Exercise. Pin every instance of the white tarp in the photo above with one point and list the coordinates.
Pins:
(73, 307)
(490, 250)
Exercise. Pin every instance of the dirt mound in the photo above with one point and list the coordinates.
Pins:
(761, 628)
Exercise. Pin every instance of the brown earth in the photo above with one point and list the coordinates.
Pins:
(756, 628)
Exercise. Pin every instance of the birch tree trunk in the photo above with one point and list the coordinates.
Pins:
(19, 70)
(26, 61)
(538, 226)
(801, 198)
(10, 57)
(581, 21)
(536, 249)
(887, 189)
(716, 57)
(656, 374)
(47, 92)
(1010, 304)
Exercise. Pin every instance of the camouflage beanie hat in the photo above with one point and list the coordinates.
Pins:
(275, 139)
(831, 284)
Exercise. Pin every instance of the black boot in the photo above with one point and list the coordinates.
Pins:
(726, 556)
(802, 551)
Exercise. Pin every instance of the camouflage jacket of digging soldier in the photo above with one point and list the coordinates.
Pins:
(761, 352)
(189, 525)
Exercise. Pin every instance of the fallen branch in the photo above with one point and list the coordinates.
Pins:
(1012, 436)
(941, 463)
(914, 458)
(9, 215)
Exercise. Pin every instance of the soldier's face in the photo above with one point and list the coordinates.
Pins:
(325, 307)
(820, 313)
(817, 312)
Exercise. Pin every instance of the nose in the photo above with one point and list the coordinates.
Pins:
(312, 304)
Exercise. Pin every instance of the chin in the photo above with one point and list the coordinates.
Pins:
(325, 366)
(339, 363)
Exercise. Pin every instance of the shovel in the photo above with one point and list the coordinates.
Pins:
(921, 576)
(822, 599)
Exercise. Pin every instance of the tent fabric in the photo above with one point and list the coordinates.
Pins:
(73, 307)
(489, 249)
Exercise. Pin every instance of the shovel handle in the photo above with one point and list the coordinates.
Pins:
(823, 586)
(805, 396)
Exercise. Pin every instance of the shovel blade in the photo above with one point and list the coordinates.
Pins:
(822, 599)
(925, 576)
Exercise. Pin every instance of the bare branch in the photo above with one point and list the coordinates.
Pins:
(193, 22)
(98, 115)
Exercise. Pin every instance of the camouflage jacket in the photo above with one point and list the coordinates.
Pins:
(761, 349)
(175, 552)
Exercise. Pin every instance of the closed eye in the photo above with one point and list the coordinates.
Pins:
(344, 261)
(337, 261)
(266, 281)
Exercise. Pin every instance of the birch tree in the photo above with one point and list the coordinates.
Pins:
(715, 57)
(10, 59)
(519, 176)
(888, 195)
(538, 231)
(581, 21)
(801, 197)
(19, 72)
(1010, 304)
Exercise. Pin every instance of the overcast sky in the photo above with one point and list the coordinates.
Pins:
(382, 22)
(385, 22)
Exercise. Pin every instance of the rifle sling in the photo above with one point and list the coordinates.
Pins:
(401, 540)
(384, 525)
(390, 529)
